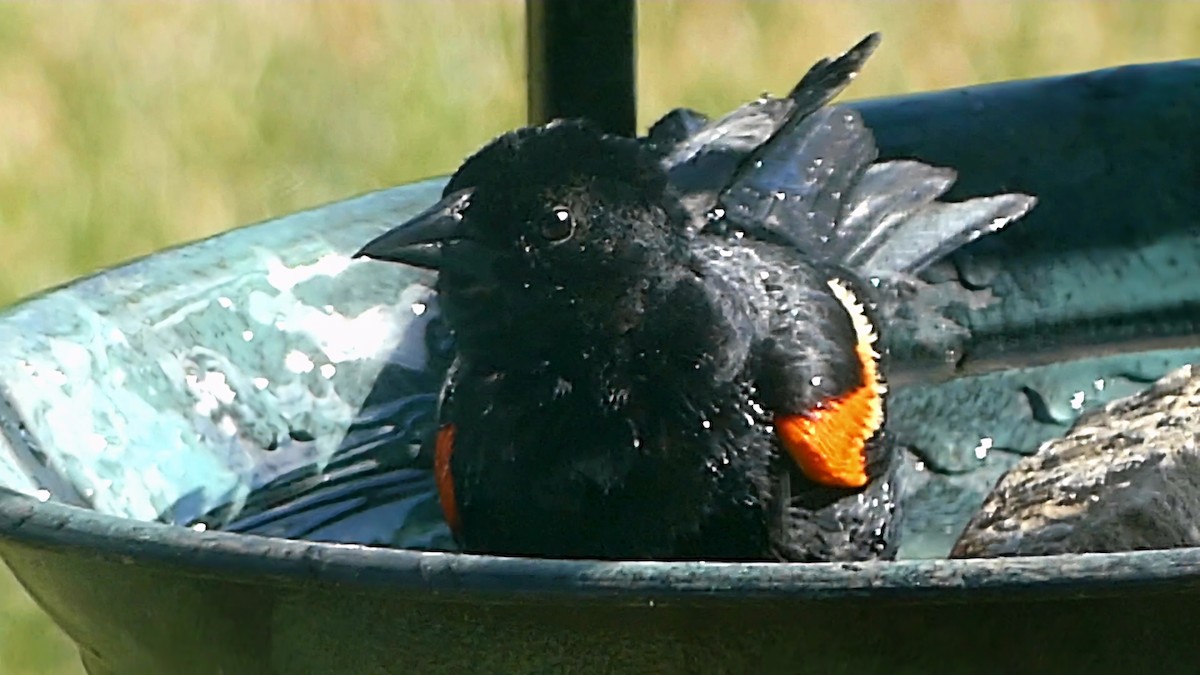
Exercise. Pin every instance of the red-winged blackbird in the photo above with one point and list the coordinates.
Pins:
(666, 346)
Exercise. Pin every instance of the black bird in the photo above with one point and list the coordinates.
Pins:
(667, 347)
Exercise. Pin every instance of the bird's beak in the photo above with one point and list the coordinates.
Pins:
(418, 241)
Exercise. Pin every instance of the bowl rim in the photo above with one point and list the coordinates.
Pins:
(26, 522)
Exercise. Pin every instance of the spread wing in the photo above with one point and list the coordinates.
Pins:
(798, 172)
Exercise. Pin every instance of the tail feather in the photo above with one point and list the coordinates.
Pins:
(936, 230)
(796, 187)
(708, 159)
(826, 79)
(674, 129)
(813, 184)
(818, 190)
(887, 194)
(705, 161)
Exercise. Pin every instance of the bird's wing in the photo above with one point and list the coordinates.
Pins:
(813, 359)
(815, 374)
(798, 172)
(794, 190)
(703, 157)
(673, 131)
(817, 188)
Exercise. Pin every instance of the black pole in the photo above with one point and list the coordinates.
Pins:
(581, 61)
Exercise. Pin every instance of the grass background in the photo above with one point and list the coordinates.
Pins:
(126, 127)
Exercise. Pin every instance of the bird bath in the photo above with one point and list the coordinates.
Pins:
(209, 465)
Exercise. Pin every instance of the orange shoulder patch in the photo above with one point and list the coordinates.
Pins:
(829, 442)
(443, 449)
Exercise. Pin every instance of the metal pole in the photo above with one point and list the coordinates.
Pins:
(581, 61)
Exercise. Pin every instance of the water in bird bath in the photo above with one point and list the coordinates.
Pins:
(287, 395)
(219, 384)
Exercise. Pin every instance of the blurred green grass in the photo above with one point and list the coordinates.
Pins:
(126, 127)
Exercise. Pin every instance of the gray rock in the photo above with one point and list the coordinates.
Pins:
(1127, 477)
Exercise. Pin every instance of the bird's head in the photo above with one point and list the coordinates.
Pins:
(556, 230)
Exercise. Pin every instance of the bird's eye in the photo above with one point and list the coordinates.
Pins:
(558, 225)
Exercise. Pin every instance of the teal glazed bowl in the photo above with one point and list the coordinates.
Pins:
(220, 475)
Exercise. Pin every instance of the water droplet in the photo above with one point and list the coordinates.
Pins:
(706, 424)
(219, 387)
(816, 380)
(328, 370)
(418, 308)
(562, 387)
(247, 335)
(225, 302)
(42, 495)
(199, 527)
(1077, 400)
(1099, 384)
(228, 426)
(981, 450)
(261, 383)
(298, 362)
